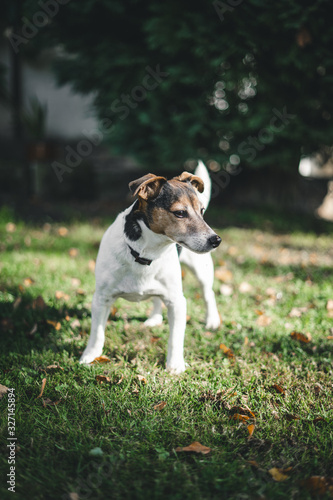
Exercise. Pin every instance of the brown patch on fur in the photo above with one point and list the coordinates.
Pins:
(196, 181)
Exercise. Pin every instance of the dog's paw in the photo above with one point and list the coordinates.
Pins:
(155, 320)
(88, 356)
(176, 368)
(213, 322)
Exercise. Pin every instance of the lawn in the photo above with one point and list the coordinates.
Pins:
(257, 393)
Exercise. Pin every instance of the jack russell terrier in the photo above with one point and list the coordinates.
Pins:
(140, 254)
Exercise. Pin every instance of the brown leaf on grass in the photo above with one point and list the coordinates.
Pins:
(3, 390)
(42, 389)
(228, 352)
(73, 252)
(264, 320)
(160, 406)
(329, 337)
(319, 419)
(245, 287)
(102, 378)
(10, 227)
(329, 307)
(80, 291)
(290, 417)
(120, 380)
(91, 265)
(194, 447)
(301, 337)
(113, 311)
(155, 339)
(318, 485)
(101, 359)
(28, 282)
(62, 231)
(278, 388)
(38, 303)
(53, 367)
(226, 290)
(297, 312)
(243, 410)
(75, 323)
(223, 274)
(141, 378)
(254, 463)
(55, 324)
(258, 312)
(278, 474)
(75, 282)
(250, 429)
(61, 295)
(239, 417)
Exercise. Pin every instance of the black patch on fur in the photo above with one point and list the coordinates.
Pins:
(179, 249)
(132, 228)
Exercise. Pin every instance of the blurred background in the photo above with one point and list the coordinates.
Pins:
(94, 94)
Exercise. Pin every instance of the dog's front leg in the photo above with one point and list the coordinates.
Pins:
(177, 324)
(100, 311)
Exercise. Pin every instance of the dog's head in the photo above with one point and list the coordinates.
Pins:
(173, 208)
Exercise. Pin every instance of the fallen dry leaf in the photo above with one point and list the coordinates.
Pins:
(226, 290)
(250, 429)
(245, 287)
(80, 291)
(53, 367)
(61, 295)
(264, 320)
(10, 227)
(243, 410)
(329, 307)
(49, 402)
(75, 282)
(297, 312)
(28, 282)
(141, 378)
(73, 252)
(291, 417)
(42, 389)
(3, 390)
(278, 474)
(102, 378)
(160, 406)
(91, 265)
(301, 337)
(239, 417)
(56, 324)
(228, 352)
(62, 231)
(278, 388)
(319, 419)
(75, 323)
(194, 447)
(120, 380)
(101, 359)
(223, 274)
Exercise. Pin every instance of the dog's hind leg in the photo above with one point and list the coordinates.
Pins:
(155, 317)
(100, 311)
(203, 268)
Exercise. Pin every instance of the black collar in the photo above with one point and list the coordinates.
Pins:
(138, 259)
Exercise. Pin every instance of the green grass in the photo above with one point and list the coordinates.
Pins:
(288, 264)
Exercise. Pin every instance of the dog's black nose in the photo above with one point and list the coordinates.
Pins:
(215, 241)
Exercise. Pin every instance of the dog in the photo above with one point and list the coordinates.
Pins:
(138, 258)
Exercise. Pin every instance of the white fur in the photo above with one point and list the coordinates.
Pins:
(118, 275)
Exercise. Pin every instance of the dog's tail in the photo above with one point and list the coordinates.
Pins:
(202, 172)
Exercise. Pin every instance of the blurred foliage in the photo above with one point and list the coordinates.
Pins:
(232, 68)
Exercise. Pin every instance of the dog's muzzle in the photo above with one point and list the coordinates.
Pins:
(214, 241)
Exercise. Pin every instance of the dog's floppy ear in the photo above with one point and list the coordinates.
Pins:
(147, 187)
(196, 181)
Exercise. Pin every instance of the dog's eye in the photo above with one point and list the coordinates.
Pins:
(180, 214)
